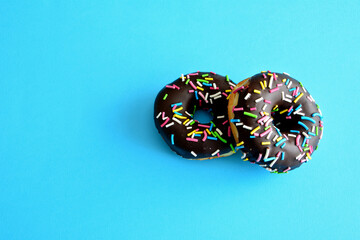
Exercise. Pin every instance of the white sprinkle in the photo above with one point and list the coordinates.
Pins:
(182, 77)
(286, 74)
(274, 139)
(273, 162)
(243, 156)
(263, 108)
(300, 156)
(263, 165)
(247, 127)
(170, 124)
(214, 153)
(211, 101)
(247, 96)
(267, 153)
(282, 96)
(232, 84)
(304, 89)
(158, 115)
(206, 95)
(268, 136)
(292, 135)
(193, 153)
(199, 83)
(188, 113)
(259, 99)
(239, 124)
(270, 83)
(289, 85)
(287, 100)
(214, 85)
(193, 135)
(219, 131)
(189, 128)
(289, 96)
(304, 133)
(214, 95)
(187, 124)
(177, 120)
(320, 111)
(222, 116)
(308, 97)
(217, 97)
(313, 129)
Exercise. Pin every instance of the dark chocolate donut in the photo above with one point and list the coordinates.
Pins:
(174, 109)
(275, 121)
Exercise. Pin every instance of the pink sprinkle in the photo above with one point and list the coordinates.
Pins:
(256, 134)
(268, 122)
(188, 76)
(264, 75)
(224, 94)
(213, 73)
(278, 154)
(236, 90)
(176, 87)
(231, 87)
(311, 149)
(307, 141)
(262, 114)
(287, 169)
(225, 122)
(202, 95)
(199, 102)
(168, 86)
(273, 90)
(290, 108)
(275, 78)
(191, 91)
(308, 97)
(263, 119)
(162, 125)
(253, 109)
(279, 84)
(298, 140)
(237, 109)
(229, 131)
(193, 74)
(192, 139)
(174, 107)
(286, 137)
(265, 133)
(193, 86)
(218, 154)
(259, 157)
(205, 126)
(163, 115)
(267, 101)
(302, 161)
(205, 136)
(214, 88)
(288, 117)
(300, 148)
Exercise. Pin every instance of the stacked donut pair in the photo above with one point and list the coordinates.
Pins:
(270, 118)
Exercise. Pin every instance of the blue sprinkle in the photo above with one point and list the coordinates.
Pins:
(280, 142)
(239, 147)
(291, 89)
(212, 138)
(307, 118)
(312, 134)
(269, 159)
(317, 114)
(297, 94)
(302, 124)
(178, 113)
(211, 126)
(197, 135)
(290, 111)
(287, 82)
(172, 139)
(196, 95)
(282, 146)
(177, 104)
(278, 131)
(303, 143)
(234, 120)
(294, 131)
(282, 155)
(298, 107)
(252, 136)
(207, 84)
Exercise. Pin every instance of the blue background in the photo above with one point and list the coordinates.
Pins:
(80, 157)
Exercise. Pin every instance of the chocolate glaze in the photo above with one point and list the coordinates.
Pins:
(310, 115)
(178, 91)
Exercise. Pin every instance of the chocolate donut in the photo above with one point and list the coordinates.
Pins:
(275, 121)
(174, 110)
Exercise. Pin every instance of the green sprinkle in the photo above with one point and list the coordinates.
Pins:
(301, 84)
(194, 109)
(165, 96)
(305, 149)
(267, 128)
(213, 123)
(317, 130)
(250, 114)
(232, 148)
(192, 123)
(202, 80)
(205, 75)
(218, 136)
(227, 78)
(187, 81)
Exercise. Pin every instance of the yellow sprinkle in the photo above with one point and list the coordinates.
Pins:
(190, 133)
(283, 111)
(308, 155)
(245, 159)
(266, 113)
(199, 132)
(228, 90)
(270, 74)
(209, 79)
(178, 109)
(207, 130)
(178, 116)
(276, 106)
(186, 121)
(263, 71)
(255, 129)
(262, 85)
(297, 99)
(265, 83)
(278, 139)
(284, 80)
(239, 144)
(257, 91)
(199, 88)
(227, 98)
(265, 143)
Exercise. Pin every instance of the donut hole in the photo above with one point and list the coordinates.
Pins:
(283, 122)
(203, 116)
